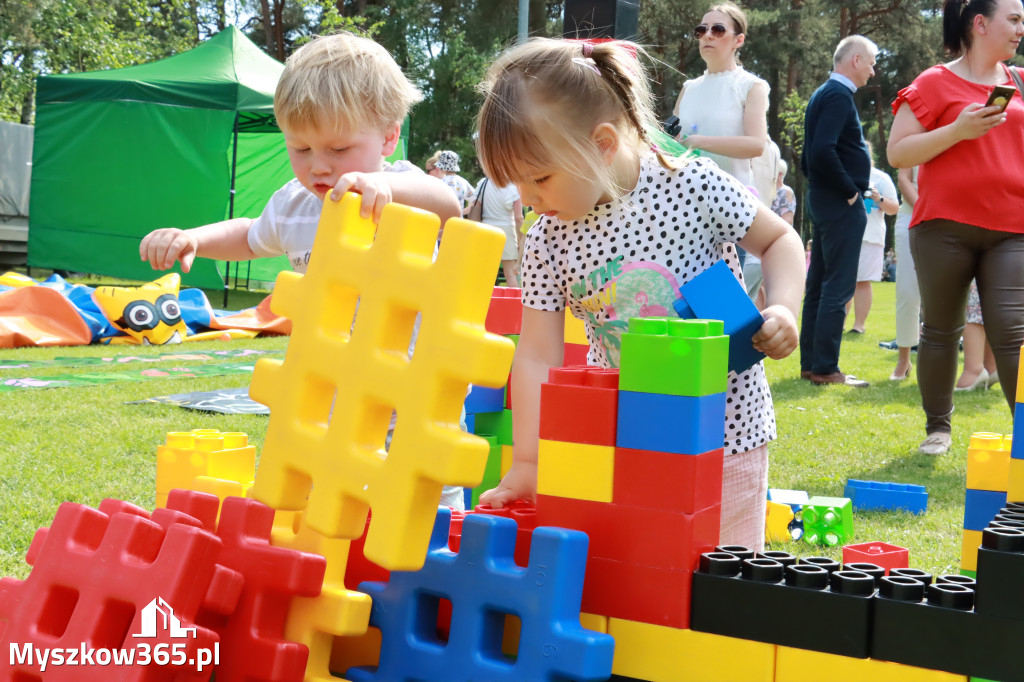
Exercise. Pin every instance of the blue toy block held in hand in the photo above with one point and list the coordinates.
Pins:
(716, 294)
(484, 584)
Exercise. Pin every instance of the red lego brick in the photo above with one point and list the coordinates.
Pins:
(575, 354)
(253, 648)
(637, 593)
(878, 553)
(95, 576)
(646, 537)
(667, 481)
(520, 511)
(505, 314)
(580, 405)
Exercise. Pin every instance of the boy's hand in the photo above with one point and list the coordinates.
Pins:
(375, 190)
(165, 246)
(778, 336)
(520, 483)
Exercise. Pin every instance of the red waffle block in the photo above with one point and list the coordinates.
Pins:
(505, 314)
(643, 594)
(360, 568)
(645, 537)
(575, 354)
(580, 405)
(667, 481)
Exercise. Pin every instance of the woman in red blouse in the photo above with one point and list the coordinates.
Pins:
(968, 221)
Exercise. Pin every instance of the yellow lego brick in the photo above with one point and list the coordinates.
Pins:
(661, 654)
(332, 396)
(506, 458)
(202, 452)
(575, 330)
(221, 488)
(336, 612)
(988, 462)
(582, 472)
(969, 550)
(594, 622)
(777, 518)
(1015, 488)
(800, 665)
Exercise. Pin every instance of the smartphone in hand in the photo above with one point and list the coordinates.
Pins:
(1000, 97)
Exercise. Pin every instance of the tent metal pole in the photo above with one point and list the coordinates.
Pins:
(231, 206)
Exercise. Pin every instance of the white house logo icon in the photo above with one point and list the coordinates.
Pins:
(167, 621)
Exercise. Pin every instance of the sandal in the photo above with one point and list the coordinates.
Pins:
(936, 444)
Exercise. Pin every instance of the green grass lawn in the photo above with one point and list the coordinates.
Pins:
(87, 444)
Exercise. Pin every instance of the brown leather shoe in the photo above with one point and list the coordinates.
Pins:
(805, 374)
(838, 378)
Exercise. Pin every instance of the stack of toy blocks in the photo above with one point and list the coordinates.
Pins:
(988, 478)
(639, 469)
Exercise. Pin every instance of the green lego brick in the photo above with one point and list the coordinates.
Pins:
(969, 574)
(492, 472)
(671, 356)
(498, 424)
(828, 520)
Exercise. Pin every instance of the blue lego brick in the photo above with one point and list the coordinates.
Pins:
(981, 506)
(483, 584)
(482, 399)
(716, 294)
(878, 495)
(467, 494)
(796, 499)
(470, 422)
(1017, 445)
(686, 425)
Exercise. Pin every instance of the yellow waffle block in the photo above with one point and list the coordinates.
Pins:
(575, 470)
(337, 612)
(969, 550)
(800, 665)
(332, 396)
(202, 453)
(661, 654)
(988, 462)
(1015, 488)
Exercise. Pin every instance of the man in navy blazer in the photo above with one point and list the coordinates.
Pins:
(836, 163)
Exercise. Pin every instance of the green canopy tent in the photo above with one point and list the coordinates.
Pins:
(181, 142)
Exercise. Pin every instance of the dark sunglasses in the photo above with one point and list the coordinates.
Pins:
(717, 30)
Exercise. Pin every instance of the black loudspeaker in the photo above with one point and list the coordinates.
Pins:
(601, 19)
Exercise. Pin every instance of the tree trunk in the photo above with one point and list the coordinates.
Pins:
(268, 27)
(27, 108)
(279, 29)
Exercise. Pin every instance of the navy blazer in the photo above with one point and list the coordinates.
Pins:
(835, 158)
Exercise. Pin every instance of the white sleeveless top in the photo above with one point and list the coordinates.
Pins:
(713, 104)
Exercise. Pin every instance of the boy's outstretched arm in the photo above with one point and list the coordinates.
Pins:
(541, 347)
(226, 240)
(782, 263)
(411, 189)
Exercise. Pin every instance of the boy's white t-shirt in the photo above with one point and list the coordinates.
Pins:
(629, 257)
(874, 232)
(289, 221)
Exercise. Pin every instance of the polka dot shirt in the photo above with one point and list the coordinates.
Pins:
(629, 257)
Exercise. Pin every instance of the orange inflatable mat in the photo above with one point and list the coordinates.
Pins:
(40, 316)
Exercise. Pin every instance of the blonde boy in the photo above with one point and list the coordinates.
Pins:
(340, 104)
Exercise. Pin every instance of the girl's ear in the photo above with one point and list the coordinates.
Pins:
(391, 140)
(740, 39)
(606, 137)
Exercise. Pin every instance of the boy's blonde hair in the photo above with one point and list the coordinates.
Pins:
(545, 98)
(345, 81)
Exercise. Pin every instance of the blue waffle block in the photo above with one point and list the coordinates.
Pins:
(716, 294)
(683, 424)
(981, 506)
(483, 584)
(876, 495)
(481, 399)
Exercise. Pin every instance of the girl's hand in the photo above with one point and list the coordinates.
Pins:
(976, 119)
(778, 336)
(169, 244)
(375, 190)
(520, 483)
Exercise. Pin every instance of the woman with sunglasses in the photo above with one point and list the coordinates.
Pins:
(723, 112)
